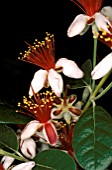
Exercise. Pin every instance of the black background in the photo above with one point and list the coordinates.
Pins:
(26, 20)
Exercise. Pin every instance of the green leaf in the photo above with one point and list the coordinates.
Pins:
(92, 140)
(54, 160)
(8, 139)
(8, 114)
(87, 68)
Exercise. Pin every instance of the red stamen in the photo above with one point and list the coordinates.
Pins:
(90, 7)
(41, 53)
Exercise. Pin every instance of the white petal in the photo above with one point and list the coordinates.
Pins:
(25, 166)
(102, 68)
(29, 129)
(77, 26)
(70, 68)
(107, 11)
(38, 81)
(28, 148)
(55, 81)
(101, 22)
(7, 161)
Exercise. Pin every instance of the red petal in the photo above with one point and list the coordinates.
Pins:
(51, 133)
(1, 167)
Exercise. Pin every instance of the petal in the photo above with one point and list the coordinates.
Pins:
(25, 166)
(50, 133)
(70, 68)
(38, 81)
(77, 26)
(56, 113)
(103, 67)
(67, 117)
(107, 11)
(55, 81)
(29, 129)
(101, 22)
(7, 161)
(71, 99)
(1, 167)
(28, 148)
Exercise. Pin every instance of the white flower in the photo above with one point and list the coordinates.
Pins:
(24, 166)
(28, 148)
(98, 19)
(7, 161)
(53, 78)
(102, 68)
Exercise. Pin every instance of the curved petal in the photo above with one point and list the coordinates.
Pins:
(103, 67)
(78, 25)
(107, 11)
(38, 81)
(55, 81)
(70, 68)
(25, 166)
(29, 129)
(50, 133)
(28, 148)
(58, 115)
(101, 22)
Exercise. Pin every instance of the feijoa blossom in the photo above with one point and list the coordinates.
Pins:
(63, 108)
(93, 16)
(39, 108)
(42, 54)
(103, 67)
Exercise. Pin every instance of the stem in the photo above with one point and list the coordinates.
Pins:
(94, 59)
(96, 90)
(5, 153)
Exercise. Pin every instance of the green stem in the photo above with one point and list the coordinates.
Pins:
(94, 59)
(5, 153)
(102, 81)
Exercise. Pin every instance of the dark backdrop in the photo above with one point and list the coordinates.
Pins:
(26, 20)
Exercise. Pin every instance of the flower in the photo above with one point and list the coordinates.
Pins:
(64, 108)
(92, 16)
(28, 148)
(102, 68)
(42, 55)
(39, 108)
(24, 166)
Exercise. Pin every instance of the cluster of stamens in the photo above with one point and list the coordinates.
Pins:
(34, 105)
(41, 53)
(106, 38)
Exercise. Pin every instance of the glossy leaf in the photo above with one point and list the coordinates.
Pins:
(8, 139)
(92, 140)
(54, 160)
(8, 114)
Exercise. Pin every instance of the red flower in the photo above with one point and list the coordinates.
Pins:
(39, 108)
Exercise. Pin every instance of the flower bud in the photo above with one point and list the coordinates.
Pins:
(28, 148)
(6, 161)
